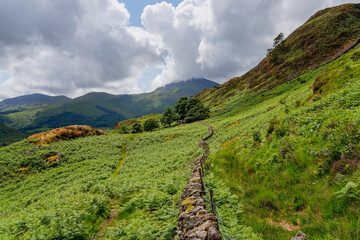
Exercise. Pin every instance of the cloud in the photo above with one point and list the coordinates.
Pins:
(72, 47)
(221, 39)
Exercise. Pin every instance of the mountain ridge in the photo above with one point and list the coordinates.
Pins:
(98, 109)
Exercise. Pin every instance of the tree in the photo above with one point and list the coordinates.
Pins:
(181, 107)
(168, 116)
(137, 128)
(124, 130)
(192, 102)
(279, 39)
(191, 110)
(197, 112)
(151, 124)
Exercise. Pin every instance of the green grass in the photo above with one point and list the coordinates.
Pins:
(69, 199)
(283, 159)
(289, 175)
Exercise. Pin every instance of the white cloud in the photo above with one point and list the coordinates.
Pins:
(75, 46)
(221, 39)
(72, 47)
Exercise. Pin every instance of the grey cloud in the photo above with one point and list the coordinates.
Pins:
(222, 39)
(75, 46)
(71, 47)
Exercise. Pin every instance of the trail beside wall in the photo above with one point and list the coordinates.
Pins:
(195, 222)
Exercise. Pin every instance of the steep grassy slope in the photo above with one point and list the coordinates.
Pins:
(324, 37)
(288, 154)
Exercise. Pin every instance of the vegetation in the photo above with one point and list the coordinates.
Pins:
(150, 125)
(93, 109)
(191, 110)
(168, 116)
(72, 197)
(137, 128)
(291, 155)
(284, 155)
(9, 135)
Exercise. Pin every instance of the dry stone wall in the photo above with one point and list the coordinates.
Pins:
(195, 222)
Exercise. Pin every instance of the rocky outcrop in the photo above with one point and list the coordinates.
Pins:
(194, 221)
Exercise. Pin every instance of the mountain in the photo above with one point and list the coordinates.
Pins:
(35, 99)
(284, 157)
(98, 109)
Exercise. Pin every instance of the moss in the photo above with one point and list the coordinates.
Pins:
(188, 201)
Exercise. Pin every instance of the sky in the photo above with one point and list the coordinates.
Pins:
(72, 47)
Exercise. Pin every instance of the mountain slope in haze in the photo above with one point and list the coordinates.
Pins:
(35, 99)
(282, 159)
(103, 109)
(9, 135)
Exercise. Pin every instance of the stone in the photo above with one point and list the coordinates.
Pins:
(191, 235)
(197, 209)
(205, 226)
(202, 235)
(300, 236)
(202, 212)
(213, 234)
(199, 202)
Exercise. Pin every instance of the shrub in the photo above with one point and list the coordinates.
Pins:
(256, 135)
(168, 116)
(150, 125)
(355, 56)
(137, 128)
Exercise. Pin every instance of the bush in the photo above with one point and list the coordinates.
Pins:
(137, 128)
(150, 125)
(124, 130)
(190, 110)
(356, 56)
(168, 117)
(256, 135)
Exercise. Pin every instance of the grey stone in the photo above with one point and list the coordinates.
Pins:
(300, 236)
(213, 234)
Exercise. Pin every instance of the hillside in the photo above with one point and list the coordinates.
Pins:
(284, 157)
(325, 36)
(9, 135)
(102, 109)
(31, 100)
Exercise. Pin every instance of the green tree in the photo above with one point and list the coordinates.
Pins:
(150, 125)
(137, 128)
(124, 130)
(197, 112)
(279, 39)
(168, 116)
(192, 102)
(181, 108)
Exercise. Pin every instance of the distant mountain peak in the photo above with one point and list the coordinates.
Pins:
(200, 82)
(34, 99)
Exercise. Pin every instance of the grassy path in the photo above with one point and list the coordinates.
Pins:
(123, 156)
